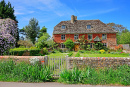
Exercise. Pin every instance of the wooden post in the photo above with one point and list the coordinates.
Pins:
(46, 60)
(67, 62)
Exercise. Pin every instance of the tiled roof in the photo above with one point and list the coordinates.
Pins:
(80, 26)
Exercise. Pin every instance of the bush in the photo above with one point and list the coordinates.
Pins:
(45, 51)
(77, 55)
(10, 71)
(81, 51)
(119, 75)
(70, 54)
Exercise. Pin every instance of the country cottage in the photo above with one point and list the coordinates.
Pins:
(93, 30)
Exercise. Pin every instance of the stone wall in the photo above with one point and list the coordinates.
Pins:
(97, 62)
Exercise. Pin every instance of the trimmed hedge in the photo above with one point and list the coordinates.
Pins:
(33, 51)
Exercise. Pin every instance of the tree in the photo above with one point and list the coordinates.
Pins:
(43, 30)
(42, 41)
(51, 43)
(32, 30)
(69, 44)
(117, 27)
(7, 11)
(25, 43)
(125, 38)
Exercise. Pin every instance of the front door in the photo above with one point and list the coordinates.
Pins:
(76, 47)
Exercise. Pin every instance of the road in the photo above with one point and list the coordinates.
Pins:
(48, 84)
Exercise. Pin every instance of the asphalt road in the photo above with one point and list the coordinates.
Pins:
(48, 84)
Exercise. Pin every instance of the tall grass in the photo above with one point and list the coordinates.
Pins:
(120, 75)
(25, 72)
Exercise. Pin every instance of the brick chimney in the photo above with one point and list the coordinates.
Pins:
(73, 18)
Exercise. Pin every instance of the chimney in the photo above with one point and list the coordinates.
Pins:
(73, 18)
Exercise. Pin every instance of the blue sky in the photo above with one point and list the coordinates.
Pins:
(50, 12)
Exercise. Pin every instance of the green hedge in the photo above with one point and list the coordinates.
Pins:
(33, 51)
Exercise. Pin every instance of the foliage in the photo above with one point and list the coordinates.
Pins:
(77, 54)
(81, 51)
(102, 51)
(19, 51)
(45, 51)
(10, 71)
(32, 30)
(98, 46)
(25, 43)
(43, 30)
(69, 44)
(70, 54)
(119, 48)
(51, 44)
(8, 35)
(88, 47)
(125, 38)
(42, 41)
(82, 42)
(93, 76)
(7, 11)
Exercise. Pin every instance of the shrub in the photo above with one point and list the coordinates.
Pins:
(77, 55)
(81, 51)
(70, 54)
(45, 51)
(69, 44)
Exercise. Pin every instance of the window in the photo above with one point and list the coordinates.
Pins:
(89, 36)
(104, 44)
(76, 36)
(88, 26)
(63, 26)
(90, 45)
(104, 36)
(62, 45)
(62, 37)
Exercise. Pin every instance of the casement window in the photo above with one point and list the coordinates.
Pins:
(89, 36)
(88, 26)
(63, 27)
(76, 36)
(90, 45)
(62, 45)
(105, 44)
(104, 36)
(62, 37)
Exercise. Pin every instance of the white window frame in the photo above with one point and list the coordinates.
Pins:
(63, 27)
(62, 45)
(76, 36)
(105, 44)
(62, 37)
(88, 37)
(88, 26)
(104, 36)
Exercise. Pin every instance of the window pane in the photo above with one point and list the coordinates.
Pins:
(62, 37)
(63, 26)
(89, 36)
(62, 45)
(104, 36)
(76, 36)
(88, 26)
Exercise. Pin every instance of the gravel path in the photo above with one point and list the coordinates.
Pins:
(47, 84)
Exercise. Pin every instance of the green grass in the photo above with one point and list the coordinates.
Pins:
(103, 55)
(57, 54)
(120, 75)
(88, 55)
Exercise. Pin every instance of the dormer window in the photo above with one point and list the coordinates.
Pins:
(88, 26)
(63, 26)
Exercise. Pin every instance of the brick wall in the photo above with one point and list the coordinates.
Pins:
(111, 38)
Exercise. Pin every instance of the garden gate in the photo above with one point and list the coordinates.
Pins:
(57, 64)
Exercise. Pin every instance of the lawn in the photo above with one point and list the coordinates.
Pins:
(89, 55)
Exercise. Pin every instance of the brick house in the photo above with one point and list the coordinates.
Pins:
(93, 30)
